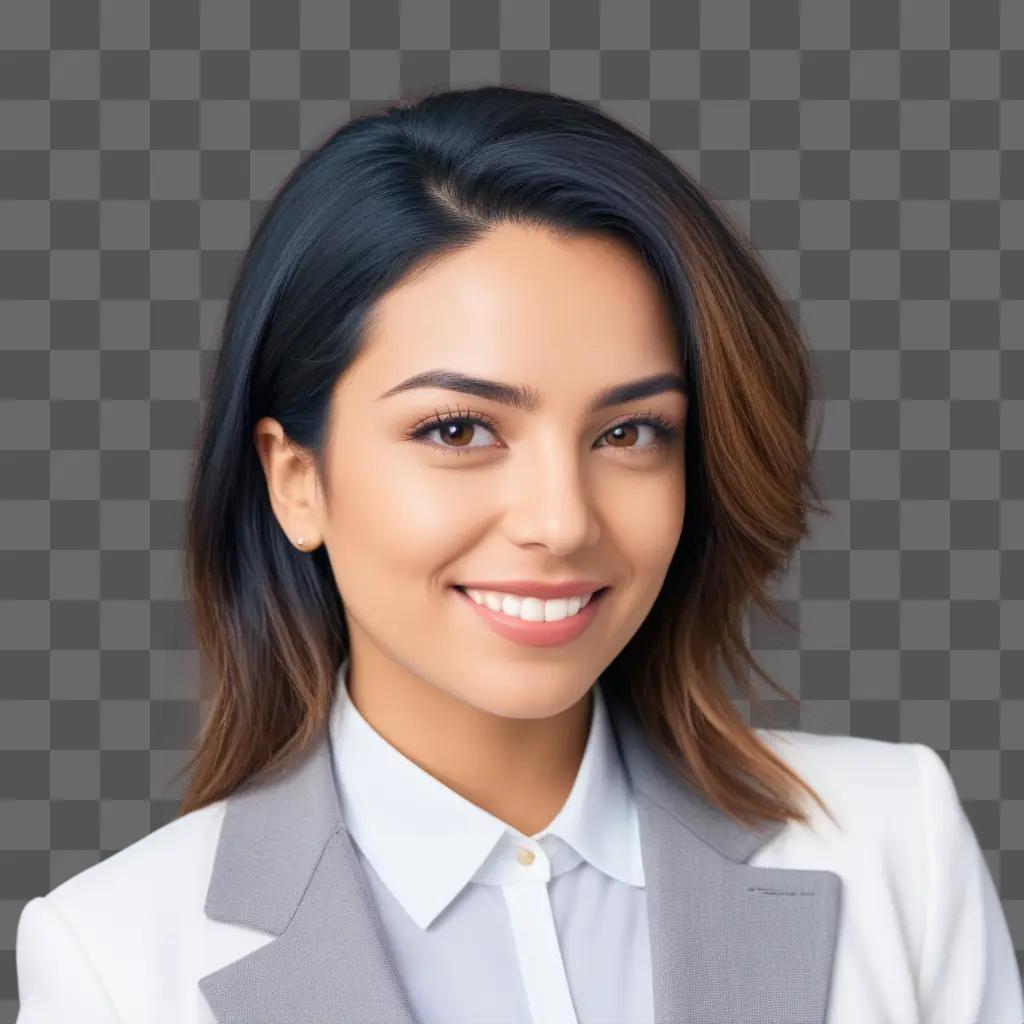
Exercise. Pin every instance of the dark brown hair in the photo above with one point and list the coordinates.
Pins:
(384, 195)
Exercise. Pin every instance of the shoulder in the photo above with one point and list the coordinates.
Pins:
(129, 933)
(919, 900)
(159, 878)
(836, 750)
(898, 786)
(856, 773)
(877, 794)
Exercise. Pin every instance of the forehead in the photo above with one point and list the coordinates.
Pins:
(527, 305)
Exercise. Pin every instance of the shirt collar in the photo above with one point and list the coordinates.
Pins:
(426, 842)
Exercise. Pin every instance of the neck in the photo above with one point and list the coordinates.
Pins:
(520, 770)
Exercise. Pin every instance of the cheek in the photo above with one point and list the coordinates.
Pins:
(647, 518)
(395, 522)
(649, 538)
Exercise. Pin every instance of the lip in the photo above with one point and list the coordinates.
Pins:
(538, 588)
(536, 634)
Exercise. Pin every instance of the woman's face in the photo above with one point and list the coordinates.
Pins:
(554, 493)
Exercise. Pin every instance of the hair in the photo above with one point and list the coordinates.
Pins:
(384, 196)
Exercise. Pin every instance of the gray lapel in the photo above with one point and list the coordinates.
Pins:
(730, 943)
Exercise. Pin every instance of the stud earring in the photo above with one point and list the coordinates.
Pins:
(300, 542)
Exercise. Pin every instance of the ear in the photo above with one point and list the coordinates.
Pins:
(292, 484)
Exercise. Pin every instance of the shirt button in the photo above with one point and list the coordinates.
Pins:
(525, 856)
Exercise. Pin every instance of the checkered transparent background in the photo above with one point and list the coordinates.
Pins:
(874, 151)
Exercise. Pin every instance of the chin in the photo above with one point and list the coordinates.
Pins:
(528, 698)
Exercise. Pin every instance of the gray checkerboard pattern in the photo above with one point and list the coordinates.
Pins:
(874, 151)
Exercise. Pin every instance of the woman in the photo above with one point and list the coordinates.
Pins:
(504, 409)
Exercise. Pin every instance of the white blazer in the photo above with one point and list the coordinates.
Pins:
(256, 909)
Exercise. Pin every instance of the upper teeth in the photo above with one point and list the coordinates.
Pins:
(533, 609)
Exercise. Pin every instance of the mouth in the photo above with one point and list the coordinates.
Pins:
(539, 633)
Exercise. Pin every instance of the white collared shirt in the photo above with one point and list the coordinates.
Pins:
(487, 925)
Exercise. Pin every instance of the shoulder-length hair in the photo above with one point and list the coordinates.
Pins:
(388, 193)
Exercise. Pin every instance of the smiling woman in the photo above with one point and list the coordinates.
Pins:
(508, 432)
(636, 402)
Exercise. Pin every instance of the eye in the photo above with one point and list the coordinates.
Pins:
(453, 427)
(458, 427)
(662, 430)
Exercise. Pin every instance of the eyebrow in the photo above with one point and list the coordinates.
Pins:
(527, 399)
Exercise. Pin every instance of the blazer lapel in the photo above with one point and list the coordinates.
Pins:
(286, 865)
(730, 943)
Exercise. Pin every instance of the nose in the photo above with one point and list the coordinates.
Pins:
(550, 502)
